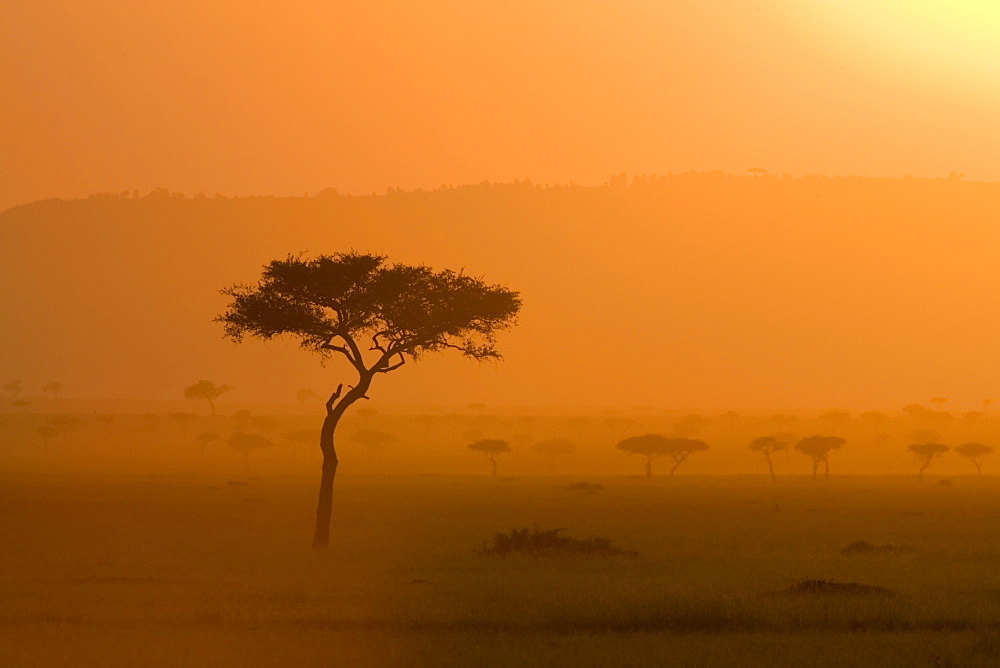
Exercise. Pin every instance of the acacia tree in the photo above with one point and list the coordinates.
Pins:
(767, 446)
(975, 452)
(656, 445)
(819, 447)
(204, 438)
(206, 389)
(53, 388)
(925, 454)
(13, 388)
(242, 442)
(491, 447)
(334, 304)
(554, 447)
(373, 441)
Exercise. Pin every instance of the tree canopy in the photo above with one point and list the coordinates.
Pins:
(655, 445)
(330, 302)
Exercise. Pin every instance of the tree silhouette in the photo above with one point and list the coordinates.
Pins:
(204, 438)
(46, 431)
(925, 454)
(819, 447)
(300, 437)
(206, 389)
(554, 447)
(53, 388)
(974, 452)
(835, 419)
(767, 446)
(656, 445)
(938, 401)
(183, 419)
(63, 424)
(305, 395)
(490, 447)
(244, 443)
(373, 441)
(366, 414)
(332, 303)
(13, 388)
(874, 418)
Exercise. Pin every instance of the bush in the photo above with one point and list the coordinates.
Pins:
(535, 541)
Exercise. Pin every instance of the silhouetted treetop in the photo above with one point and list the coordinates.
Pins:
(330, 301)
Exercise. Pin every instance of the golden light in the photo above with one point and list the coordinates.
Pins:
(947, 38)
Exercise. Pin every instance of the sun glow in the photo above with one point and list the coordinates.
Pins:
(950, 38)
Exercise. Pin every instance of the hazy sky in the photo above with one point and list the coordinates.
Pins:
(294, 96)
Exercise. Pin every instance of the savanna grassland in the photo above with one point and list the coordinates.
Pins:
(164, 555)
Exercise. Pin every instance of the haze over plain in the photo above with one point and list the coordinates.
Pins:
(870, 294)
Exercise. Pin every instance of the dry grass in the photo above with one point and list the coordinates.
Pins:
(187, 570)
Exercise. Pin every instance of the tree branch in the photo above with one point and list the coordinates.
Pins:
(340, 349)
(376, 345)
(359, 360)
(333, 398)
(392, 367)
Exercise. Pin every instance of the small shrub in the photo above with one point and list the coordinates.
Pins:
(829, 588)
(586, 487)
(864, 547)
(535, 541)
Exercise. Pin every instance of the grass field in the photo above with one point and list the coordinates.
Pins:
(191, 570)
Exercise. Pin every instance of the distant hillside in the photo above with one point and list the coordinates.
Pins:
(693, 290)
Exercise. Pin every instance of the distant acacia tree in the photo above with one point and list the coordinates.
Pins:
(206, 389)
(373, 441)
(690, 426)
(492, 448)
(63, 424)
(244, 443)
(299, 437)
(305, 395)
(333, 303)
(13, 388)
(656, 445)
(554, 447)
(925, 454)
(767, 446)
(53, 388)
(183, 419)
(975, 452)
(874, 418)
(819, 447)
(835, 419)
(366, 414)
(204, 438)
(938, 401)
(973, 416)
(919, 413)
(46, 431)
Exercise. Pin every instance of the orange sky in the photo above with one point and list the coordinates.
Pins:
(291, 97)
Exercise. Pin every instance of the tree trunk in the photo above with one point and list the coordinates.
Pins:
(826, 470)
(334, 411)
(979, 468)
(211, 404)
(815, 468)
(324, 509)
(770, 467)
(649, 466)
(493, 462)
(920, 473)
